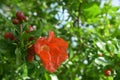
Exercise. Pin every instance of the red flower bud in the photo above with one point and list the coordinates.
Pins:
(30, 57)
(15, 21)
(107, 72)
(30, 54)
(24, 18)
(9, 35)
(30, 28)
(20, 16)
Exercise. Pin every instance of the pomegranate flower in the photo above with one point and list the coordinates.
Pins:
(52, 51)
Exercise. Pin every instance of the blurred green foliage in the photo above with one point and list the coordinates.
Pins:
(91, 29)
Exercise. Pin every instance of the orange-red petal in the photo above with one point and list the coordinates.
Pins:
(51, 36)
(46, 57)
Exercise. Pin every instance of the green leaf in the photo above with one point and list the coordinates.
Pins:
(92, 11)
(18, 56)
(25, 70)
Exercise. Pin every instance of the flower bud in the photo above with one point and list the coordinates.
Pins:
(15, 21)
(30, 28)
(30, 54)
(20, 16)
(9, 35)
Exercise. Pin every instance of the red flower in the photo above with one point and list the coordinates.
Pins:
(9, 35)
(52, 51)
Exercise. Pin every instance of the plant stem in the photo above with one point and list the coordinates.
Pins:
(20, 28)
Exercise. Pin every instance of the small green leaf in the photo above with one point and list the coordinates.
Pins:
(18, 56)
(25, 70)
